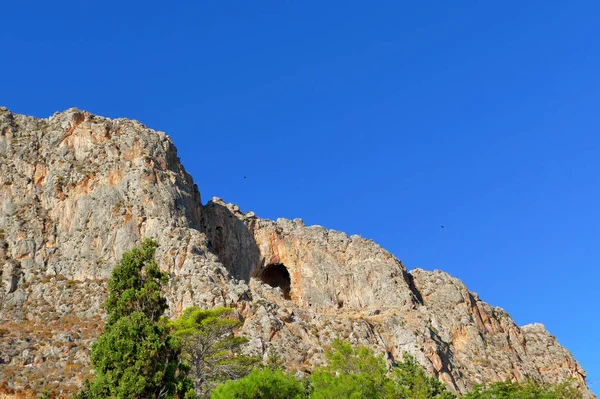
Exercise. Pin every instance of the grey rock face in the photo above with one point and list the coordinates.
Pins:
(484, 342)
(324, 268)
(77, 190)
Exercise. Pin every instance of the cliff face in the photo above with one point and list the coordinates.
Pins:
(77, 190)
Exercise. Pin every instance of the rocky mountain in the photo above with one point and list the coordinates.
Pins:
(77, 190)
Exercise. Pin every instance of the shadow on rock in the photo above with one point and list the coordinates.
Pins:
(230, 237)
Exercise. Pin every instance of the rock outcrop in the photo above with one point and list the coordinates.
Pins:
(77, 190)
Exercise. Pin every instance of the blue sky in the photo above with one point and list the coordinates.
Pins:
(386, 120)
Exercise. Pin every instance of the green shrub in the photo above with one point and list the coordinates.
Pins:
(262, 384)
(358, 373)
(524, 390)
(412, 382)
(353, 373)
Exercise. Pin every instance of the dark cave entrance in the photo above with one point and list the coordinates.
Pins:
(277, 275)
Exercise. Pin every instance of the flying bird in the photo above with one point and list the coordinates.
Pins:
(244, 177)
(442, 226)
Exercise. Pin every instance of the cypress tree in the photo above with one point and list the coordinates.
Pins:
(136, 356)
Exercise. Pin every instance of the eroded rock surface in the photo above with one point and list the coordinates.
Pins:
(326, 268)
(77, 190)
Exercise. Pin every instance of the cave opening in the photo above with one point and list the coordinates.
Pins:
(277, 275)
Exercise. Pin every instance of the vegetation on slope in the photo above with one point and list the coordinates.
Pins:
(137, 356)
(140, 354)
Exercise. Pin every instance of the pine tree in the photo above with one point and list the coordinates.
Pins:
(211, 348)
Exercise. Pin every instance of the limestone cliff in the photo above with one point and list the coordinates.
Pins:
(77, 190)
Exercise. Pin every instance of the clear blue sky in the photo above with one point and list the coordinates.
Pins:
(384, 120)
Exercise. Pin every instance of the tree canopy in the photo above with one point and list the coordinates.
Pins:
(353, 373)
(211, 348)
(267, 383)
(359, 373)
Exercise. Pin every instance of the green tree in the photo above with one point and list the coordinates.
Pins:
(267, 383)
(412, 382)
(137, 356)
(353, 373)
(524, 390)
(211, 348)
(358, 373)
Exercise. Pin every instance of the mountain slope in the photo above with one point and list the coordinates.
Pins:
(77, 190)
